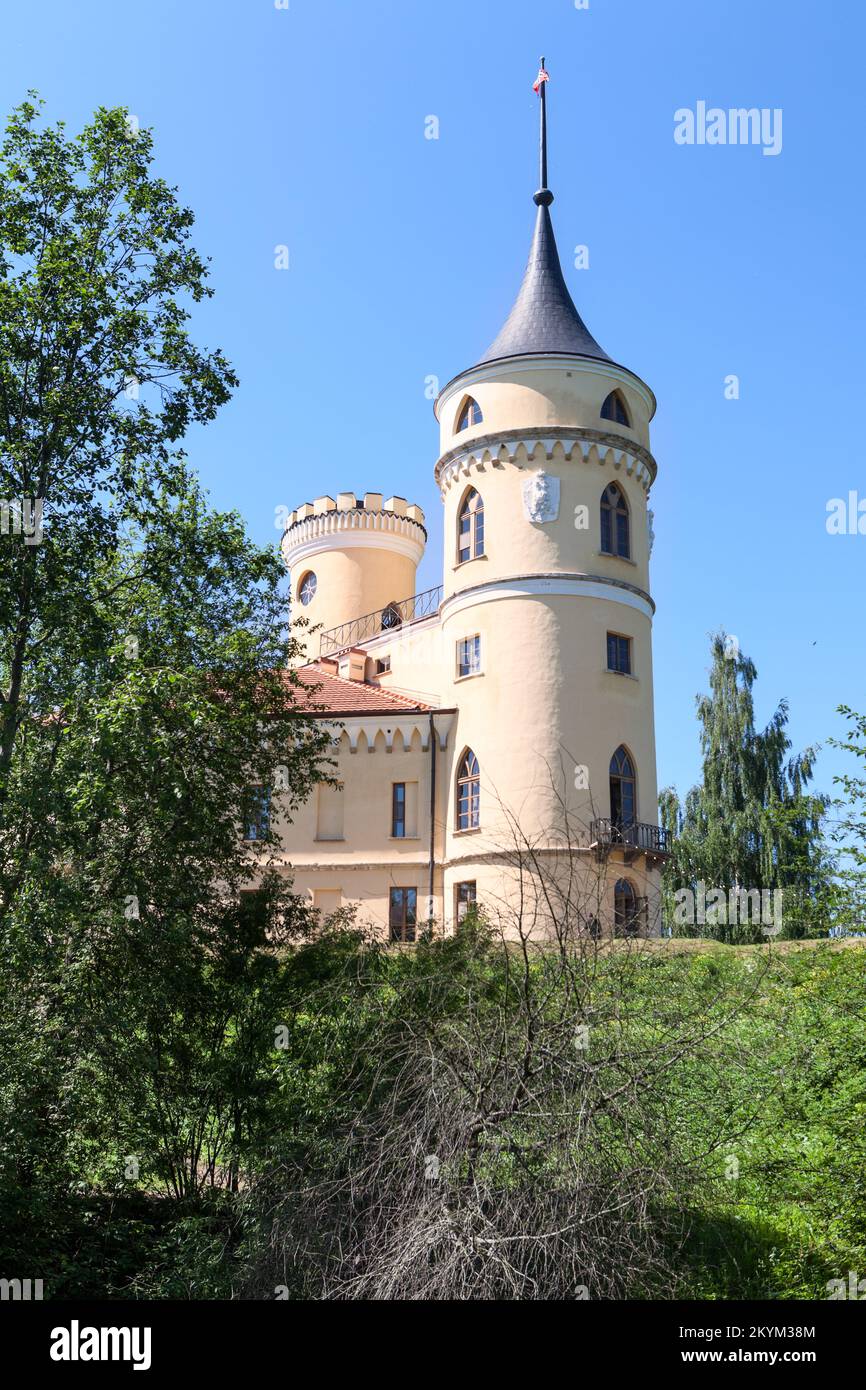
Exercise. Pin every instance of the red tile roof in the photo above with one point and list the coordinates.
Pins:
(343, 697)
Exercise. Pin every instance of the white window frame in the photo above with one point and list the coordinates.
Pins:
(473, 669)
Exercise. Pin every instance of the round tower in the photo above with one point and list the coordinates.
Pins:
(349, 560)
(545, 472)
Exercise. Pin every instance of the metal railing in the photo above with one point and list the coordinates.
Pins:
(636, 835)
(393, 615)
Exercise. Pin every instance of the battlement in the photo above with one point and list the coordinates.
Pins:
(348, 504)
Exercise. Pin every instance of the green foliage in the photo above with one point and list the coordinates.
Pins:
(144, 685)
(750, 822)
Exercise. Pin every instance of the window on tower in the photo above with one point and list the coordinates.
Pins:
(615, 537)
(614, 408)
(470, 527)
(468, 792)
(307, 588)
(623, 799)
(619, 653)
(469, 656)
(628, 909)
(470, 414)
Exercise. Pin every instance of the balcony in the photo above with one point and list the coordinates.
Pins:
(395, 615)
(633, 838)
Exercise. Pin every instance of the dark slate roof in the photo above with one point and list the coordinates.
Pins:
(543, 317)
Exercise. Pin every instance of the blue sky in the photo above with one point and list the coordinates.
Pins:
(305, 127)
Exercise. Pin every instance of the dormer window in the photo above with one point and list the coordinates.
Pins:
(469, 415)
(615, 409)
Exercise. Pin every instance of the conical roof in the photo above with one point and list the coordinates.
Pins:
(543, 318)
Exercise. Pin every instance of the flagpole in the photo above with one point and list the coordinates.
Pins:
(543, 142)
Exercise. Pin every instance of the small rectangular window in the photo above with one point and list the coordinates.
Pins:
(383, 665)
(402, 913)
(619, 653)
(398, 810)
(256, 813)
(464, 899)
(469, 656)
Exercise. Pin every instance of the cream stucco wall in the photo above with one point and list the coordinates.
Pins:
(364, 554)
(545, 715)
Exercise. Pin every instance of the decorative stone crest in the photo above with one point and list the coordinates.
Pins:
(541, 497)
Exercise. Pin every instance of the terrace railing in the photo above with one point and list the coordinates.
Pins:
(387, 619)
(606, 833)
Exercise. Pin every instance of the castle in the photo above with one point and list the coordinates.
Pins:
(498, 728)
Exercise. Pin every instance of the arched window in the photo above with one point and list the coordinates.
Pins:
(470, 527)
(307, 588)
(626, 909)
(391, 616)
(615, 538)
(614, 408)
(468, 792)
(470, 414)
(623, 798)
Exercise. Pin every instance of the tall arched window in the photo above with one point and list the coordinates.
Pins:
(615, 538)
(623, 797)
(468, 792)
(470, 414)
(626, 909)
(470, 527)
(615, 408)
(391, 616)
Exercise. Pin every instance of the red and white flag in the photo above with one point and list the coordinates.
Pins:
(543, 76)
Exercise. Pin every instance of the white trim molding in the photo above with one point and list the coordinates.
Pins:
(542, 586)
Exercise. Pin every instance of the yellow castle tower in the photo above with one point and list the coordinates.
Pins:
(513, 704)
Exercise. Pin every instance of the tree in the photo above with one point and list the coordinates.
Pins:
(144, 689)
(750, 823)
(849, 834)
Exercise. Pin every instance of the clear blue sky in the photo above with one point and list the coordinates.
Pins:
(306, 127)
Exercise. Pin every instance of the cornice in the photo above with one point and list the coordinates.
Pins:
(351, 529)
(496, 450)
(389, 724)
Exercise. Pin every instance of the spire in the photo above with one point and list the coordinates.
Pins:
(543, 318)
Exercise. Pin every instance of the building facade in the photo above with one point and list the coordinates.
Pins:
(493, 735)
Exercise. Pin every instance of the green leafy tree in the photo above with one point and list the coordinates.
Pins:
(750, 823)
(144, 689)
(849, 832)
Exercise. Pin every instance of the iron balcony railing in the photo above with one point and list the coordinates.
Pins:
(636, 835)
(393, 615)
